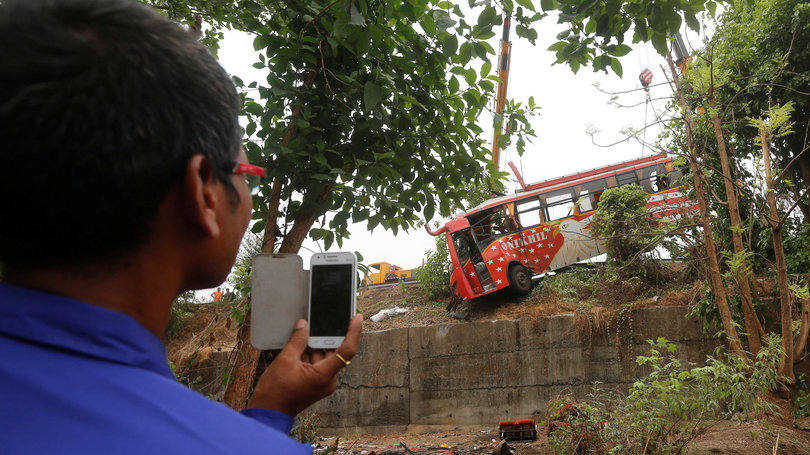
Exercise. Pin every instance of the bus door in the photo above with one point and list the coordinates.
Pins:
(472, 264)
(532, 232)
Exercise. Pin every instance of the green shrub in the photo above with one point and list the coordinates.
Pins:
(433, 276)
(182, 308)
(624, 223)
(308, 425)
(669, 407)
(576, 283)
(242, 270)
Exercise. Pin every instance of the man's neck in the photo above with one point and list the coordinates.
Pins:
(140, 286)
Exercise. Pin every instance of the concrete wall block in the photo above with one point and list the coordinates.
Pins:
(489, 406)
(668, 322)
(553, 331)
(349, 407)
(482, 372)
(457, 339)
(381, 361)
(498, 369)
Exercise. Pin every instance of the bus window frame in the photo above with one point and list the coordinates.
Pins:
(533, 208)
(568, 199)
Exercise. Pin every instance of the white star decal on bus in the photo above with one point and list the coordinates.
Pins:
(498, 282)
(500, 259)
(546, 256)
(551, 245)
(531, 250)
(472, 274)
(498, 269)
(522, 250)
(489, 262)
(537, 260)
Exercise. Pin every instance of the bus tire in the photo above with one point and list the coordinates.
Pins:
(520, 279)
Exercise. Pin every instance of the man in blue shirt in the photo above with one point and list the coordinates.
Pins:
(123, 185)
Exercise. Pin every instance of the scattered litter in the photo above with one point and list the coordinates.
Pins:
(382, 314)
(503, 449)
(458, 315)
(655, 299)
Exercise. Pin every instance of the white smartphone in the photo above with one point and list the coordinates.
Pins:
(332, 290)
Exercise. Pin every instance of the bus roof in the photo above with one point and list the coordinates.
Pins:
(594, 173)
(568, 180)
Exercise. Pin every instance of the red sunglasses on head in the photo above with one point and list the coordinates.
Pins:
(253, 174)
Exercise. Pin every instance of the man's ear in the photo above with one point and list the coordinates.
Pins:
(204, 194)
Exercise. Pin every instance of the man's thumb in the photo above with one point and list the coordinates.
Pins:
(298, 340)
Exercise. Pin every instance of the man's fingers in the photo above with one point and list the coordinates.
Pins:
(348, 348)
(298, 340)
(331, 364)
(317, 355)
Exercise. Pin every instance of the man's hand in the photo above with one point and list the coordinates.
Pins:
(300, 376)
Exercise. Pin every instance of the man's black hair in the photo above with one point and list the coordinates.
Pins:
(102, 103)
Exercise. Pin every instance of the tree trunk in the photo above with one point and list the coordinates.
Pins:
(271, 222)
(804, 168)
(241, 377)
(301, 226)
(786, 363)
(247, 358)
(801, 341)
(752, 324)
(715, 279)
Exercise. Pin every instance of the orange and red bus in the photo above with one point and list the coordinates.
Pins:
(546, 225)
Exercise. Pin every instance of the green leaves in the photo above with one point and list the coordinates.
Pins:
(526, 4)
(487, 17)
(549, 5)
(486, 68)
(261, 42)
(442, 20)
(659, 42)
(383, 129)
(355, 17)
(616, 66)
(621, 50)
(372, 94)
(450, 45)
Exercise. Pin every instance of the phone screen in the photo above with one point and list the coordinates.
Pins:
(330, 300)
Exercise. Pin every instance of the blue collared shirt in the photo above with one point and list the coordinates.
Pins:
(80, 379)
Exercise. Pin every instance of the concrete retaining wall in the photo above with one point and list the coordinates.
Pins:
(481, 372)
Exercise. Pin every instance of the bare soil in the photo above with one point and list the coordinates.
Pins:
(752, 438)
(502, 305)
(467, 440)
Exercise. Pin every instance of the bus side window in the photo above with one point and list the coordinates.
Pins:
(596, 197)
(529, 213)
(584, 202)
(560, 206)
(502, 223)
(626, 178)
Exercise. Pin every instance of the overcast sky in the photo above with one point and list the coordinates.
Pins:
(570, 106)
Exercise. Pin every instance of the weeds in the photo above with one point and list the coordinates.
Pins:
(434, 277)
(665, 410)
(307, 427)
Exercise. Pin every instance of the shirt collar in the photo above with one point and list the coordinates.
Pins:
(80, 327)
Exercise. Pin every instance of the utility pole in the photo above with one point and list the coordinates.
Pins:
(503, 74)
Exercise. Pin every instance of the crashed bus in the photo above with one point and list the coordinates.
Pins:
(546, 225)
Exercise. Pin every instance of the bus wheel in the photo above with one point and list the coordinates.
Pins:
(520, 280)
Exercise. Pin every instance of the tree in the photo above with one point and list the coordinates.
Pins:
(370, 108)
(703, 81)
(767, 45)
